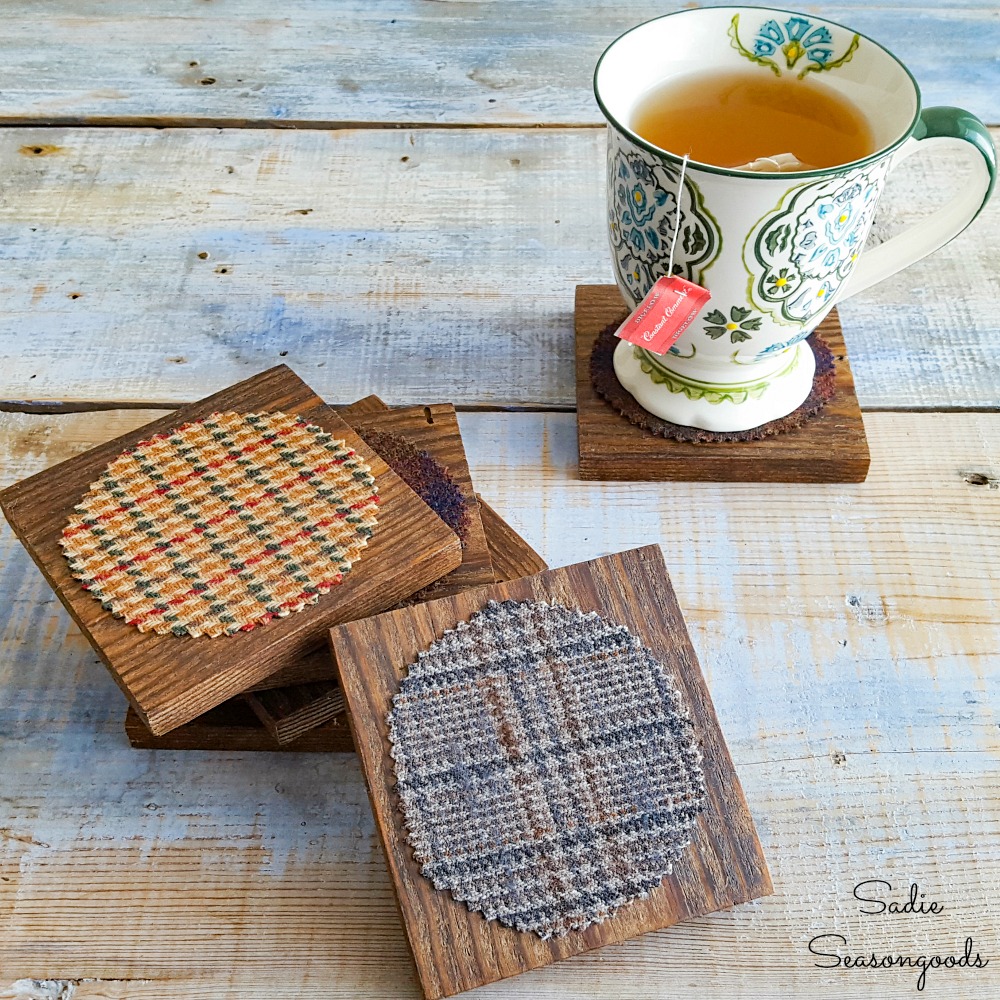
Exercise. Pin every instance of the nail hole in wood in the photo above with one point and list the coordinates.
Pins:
(977, 479)
(203, 255)
(282, 354)
(75, 295)
(207, 81)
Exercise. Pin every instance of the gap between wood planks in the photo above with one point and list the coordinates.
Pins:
(302, 124)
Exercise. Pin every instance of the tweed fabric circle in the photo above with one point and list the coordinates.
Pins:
(222, 524)
(546, 767)
(425, 475)
(607, 386)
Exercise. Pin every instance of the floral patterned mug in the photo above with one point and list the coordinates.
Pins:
(776, 250)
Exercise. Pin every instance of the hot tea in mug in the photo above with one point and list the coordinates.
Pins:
(737, 117)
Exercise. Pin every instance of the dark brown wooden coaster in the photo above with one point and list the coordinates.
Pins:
(456, 949)
(233, 726)
(171, 680)
(288, 712)
(512, 558)
(830, 447)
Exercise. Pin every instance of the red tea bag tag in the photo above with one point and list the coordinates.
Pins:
(668, 309)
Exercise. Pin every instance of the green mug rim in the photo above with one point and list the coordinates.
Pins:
(753, 174)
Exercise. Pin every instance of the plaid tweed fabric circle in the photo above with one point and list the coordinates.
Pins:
(222, 524)
(546, 766)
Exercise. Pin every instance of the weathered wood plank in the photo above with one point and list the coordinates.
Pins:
(178, 262)
(851, 641)
(399, 60)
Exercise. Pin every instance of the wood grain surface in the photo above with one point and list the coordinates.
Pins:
(512, 556)
(455, 949)
(308, 65)
(170, 681)
(850, 641)
(850, 633)
(288, 712)
(180, 261)
(234, 727)
(829, 448)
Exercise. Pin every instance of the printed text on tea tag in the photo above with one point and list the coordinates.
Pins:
(668, 309)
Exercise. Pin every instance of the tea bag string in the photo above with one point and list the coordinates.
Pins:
(677, 215)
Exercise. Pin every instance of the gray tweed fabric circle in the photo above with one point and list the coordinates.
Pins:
(547, 769)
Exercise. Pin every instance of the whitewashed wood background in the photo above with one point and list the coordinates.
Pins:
(850, 634)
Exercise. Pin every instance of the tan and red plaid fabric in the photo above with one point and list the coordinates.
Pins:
(222, 524)
(546, 766)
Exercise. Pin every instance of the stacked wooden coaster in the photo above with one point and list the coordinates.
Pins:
(267, 686)
(545, 767)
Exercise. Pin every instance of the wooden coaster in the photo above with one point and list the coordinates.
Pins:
(829, 448)
(288, 712)
(233, 726)
(512, 558)
(511, 555)
(456, 949)
(171, 680)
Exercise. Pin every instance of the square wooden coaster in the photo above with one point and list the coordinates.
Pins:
(456, 949)
(171, 680)
(512, 558)
(232, 726)
(288, 712)
(829, 448)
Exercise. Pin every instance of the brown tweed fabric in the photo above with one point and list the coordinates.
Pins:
(607, 386)
(425, 475)
(222, 524)
(546, 766)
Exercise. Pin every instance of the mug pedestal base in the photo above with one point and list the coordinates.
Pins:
(828, 448)
(721, 408)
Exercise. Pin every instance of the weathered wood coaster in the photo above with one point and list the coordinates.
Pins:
(171, 680)
(511, 555)
(233, 726)
(456, 949)
(512, 558)
(402, 433)
(828, 448)
(288, 712)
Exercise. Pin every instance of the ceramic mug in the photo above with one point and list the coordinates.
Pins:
(776, 250)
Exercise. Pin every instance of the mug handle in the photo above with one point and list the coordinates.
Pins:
(946, 128)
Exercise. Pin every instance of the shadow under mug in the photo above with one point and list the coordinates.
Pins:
(776, 250)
